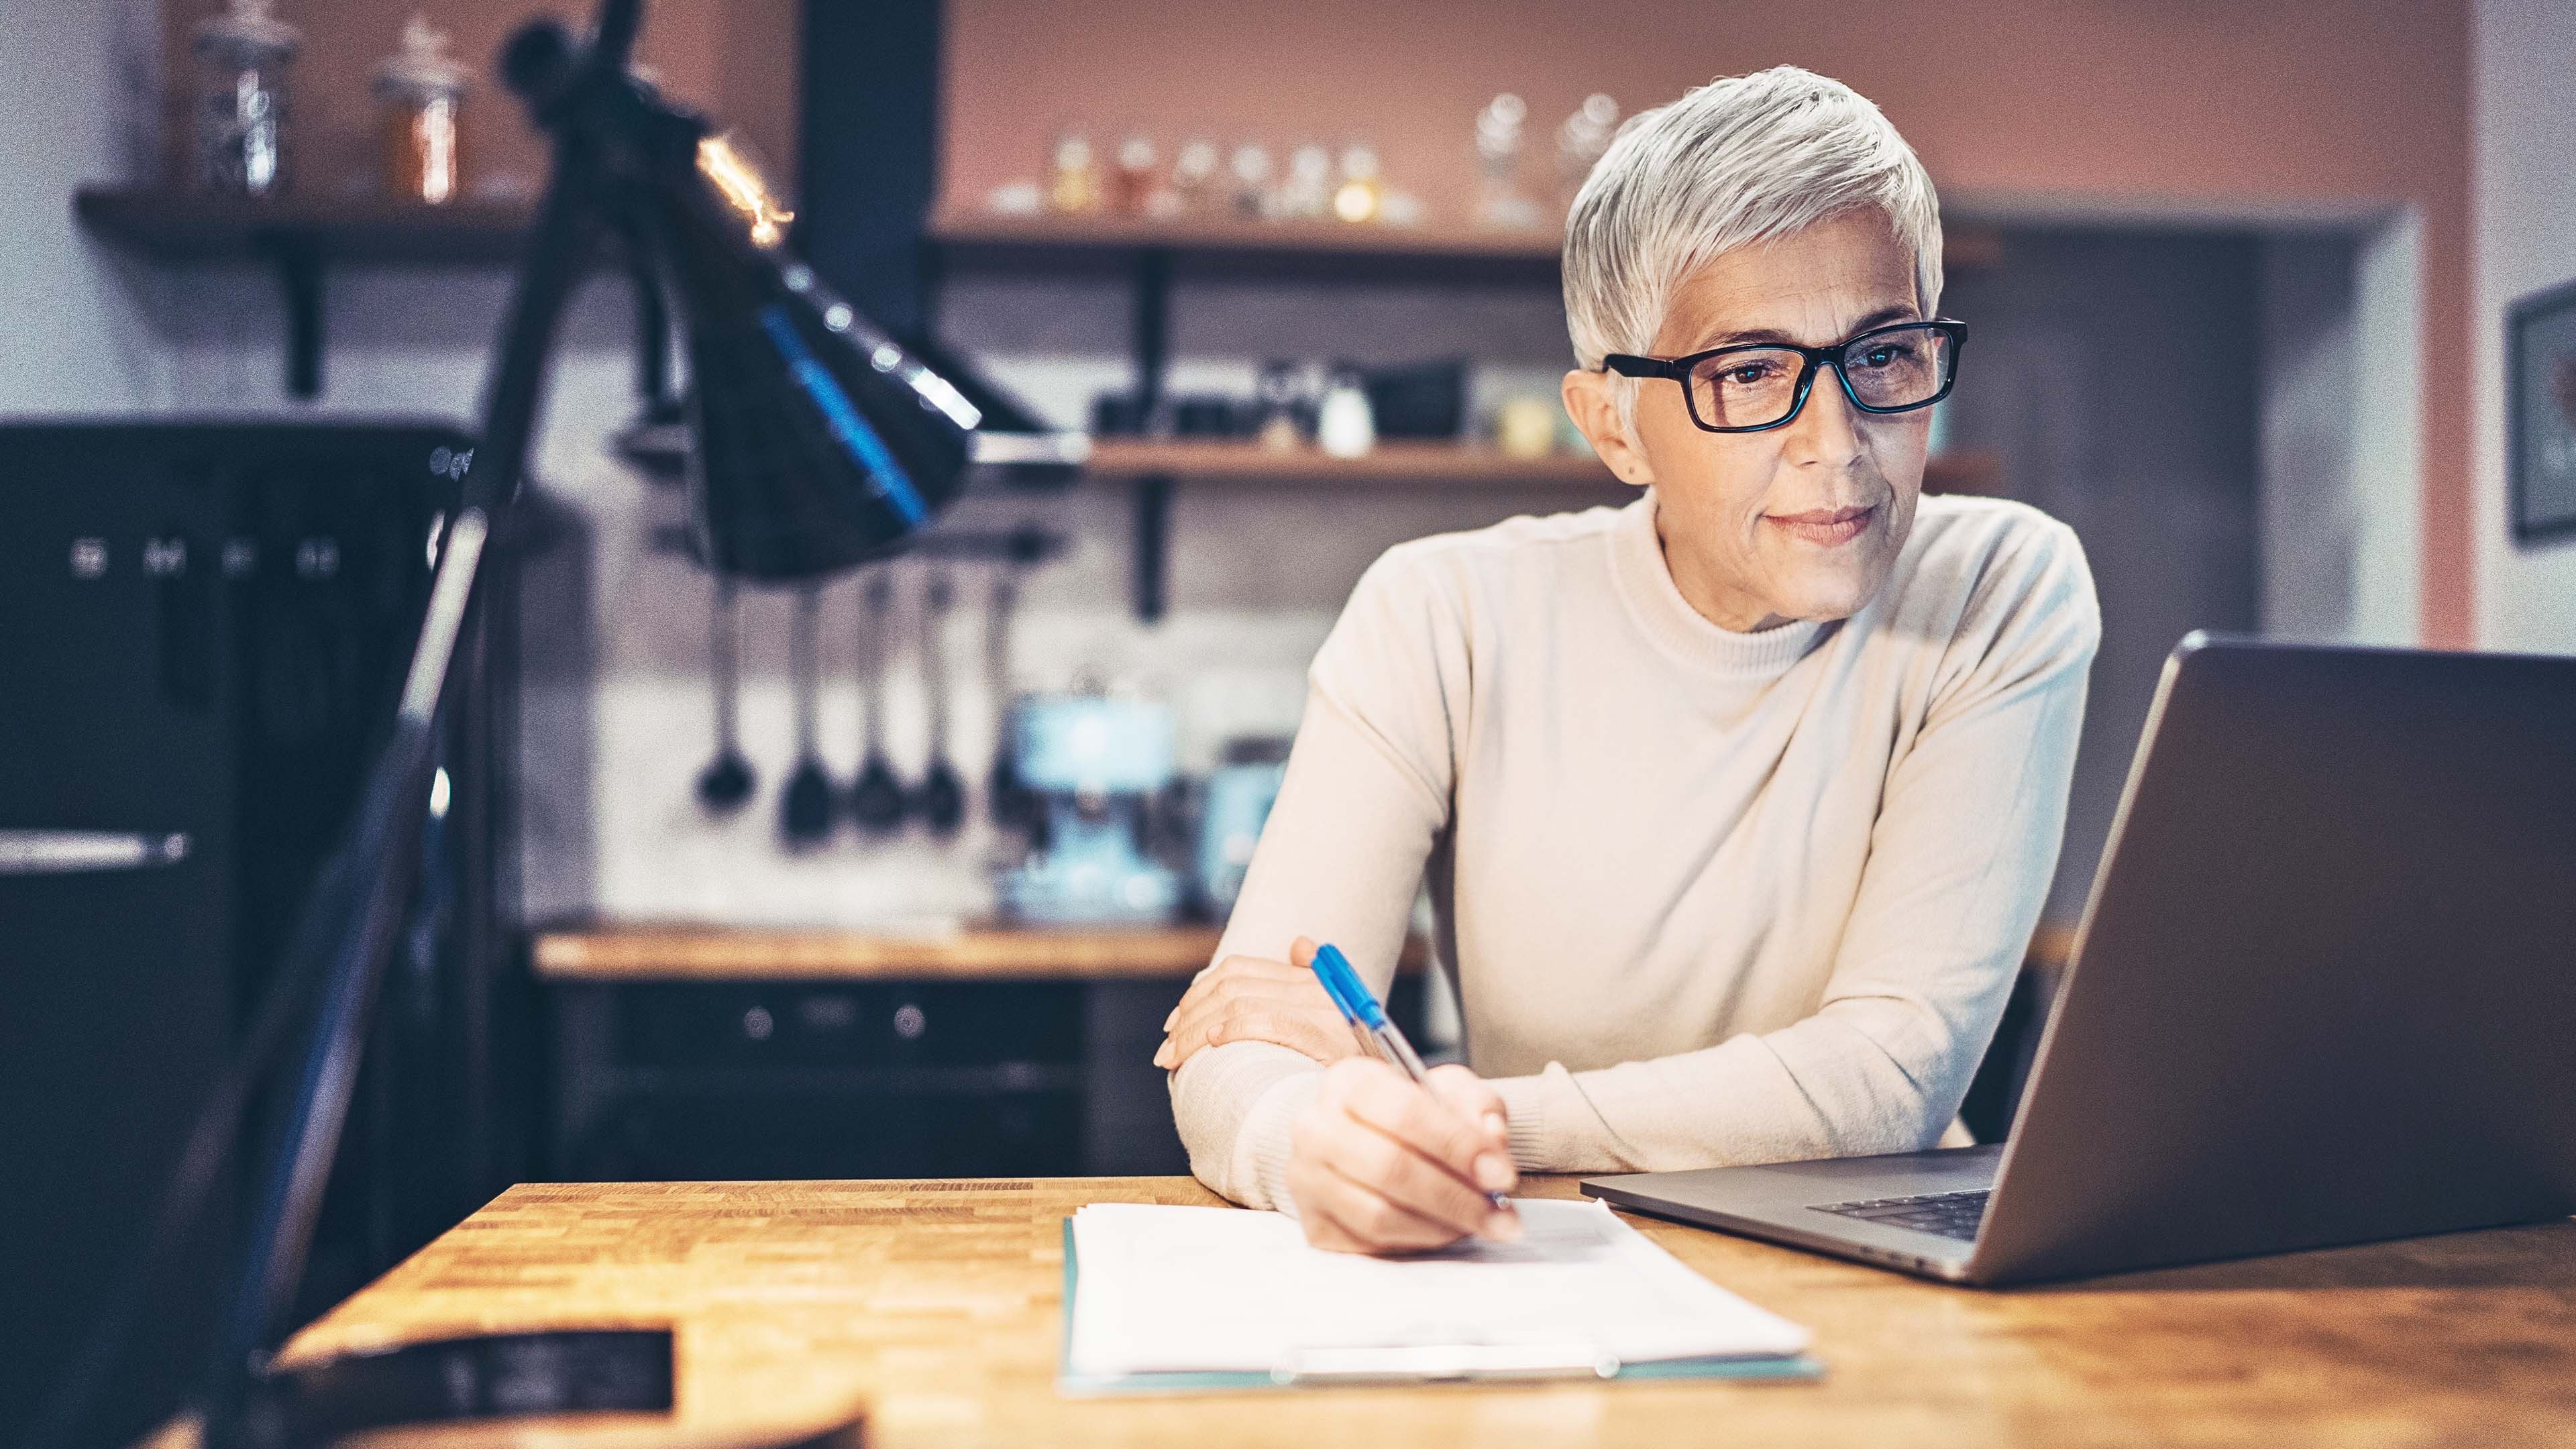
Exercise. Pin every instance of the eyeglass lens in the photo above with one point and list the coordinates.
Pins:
(1896, 368)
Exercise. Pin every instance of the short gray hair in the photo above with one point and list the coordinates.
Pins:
(1740, 160)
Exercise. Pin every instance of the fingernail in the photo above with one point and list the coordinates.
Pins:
(1162, 1052)
(1503, 1227)
(1175, 1016)
(1493, 1171)
(1497, 1128)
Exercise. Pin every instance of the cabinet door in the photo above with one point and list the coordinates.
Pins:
(115, 1007)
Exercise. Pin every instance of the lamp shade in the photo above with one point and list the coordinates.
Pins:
(821, 442)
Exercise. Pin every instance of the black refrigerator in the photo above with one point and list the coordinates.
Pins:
(202, 629)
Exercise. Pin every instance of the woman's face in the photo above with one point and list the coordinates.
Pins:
(1801, 521)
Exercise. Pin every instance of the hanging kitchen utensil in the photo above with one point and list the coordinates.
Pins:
(1011, 804)
(727, 781)
(940, 802)
(805, 807)
(876, 796)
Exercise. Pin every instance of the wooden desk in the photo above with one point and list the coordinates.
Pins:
(935, 1305)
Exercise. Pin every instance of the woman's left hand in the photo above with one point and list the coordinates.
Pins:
(1244, 998)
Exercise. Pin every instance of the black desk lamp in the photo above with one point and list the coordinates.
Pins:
(820, 443)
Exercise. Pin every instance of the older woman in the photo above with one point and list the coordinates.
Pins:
(1739, 803)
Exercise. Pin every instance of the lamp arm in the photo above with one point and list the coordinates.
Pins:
(383, 845)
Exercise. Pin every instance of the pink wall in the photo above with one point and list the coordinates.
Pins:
(2197, 103)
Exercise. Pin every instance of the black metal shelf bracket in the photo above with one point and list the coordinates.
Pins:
(299, 279)
(1150, 337)
(1150, 498)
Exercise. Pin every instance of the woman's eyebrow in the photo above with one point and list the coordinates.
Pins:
(1896, 312)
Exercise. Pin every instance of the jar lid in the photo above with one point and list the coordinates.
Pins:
(422, 67)
(248, 33)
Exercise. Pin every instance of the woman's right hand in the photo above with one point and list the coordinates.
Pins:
(1378, 1163)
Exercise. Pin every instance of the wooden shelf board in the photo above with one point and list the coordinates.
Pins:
(174, 226)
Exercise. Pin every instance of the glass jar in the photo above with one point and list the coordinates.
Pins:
(241, 128)
(1073, 176)
(421, 90)
(1499, 201)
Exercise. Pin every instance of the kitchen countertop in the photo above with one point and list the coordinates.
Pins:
(982, 952)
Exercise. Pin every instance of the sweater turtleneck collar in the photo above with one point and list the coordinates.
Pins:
(1645, 584)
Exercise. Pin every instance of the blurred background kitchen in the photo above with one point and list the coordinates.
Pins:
(899, 876)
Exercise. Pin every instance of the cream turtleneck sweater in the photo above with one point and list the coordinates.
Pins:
(1708, 897)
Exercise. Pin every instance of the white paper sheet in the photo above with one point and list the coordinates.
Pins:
(1184, 1289)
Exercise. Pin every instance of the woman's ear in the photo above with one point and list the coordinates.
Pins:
(1590, 401)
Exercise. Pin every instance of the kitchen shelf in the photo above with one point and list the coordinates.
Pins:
(175, 226)
(300, 236)
(977, 953)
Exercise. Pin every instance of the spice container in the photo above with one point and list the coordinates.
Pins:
(1131, 181)
(242, 111)
(1251, 166)
(1344, 425)
(1361, 192)
(1194, 179)
(1073, 176)
(421, 89)
(1307, 194)
(1581, 143)
(1499, 202)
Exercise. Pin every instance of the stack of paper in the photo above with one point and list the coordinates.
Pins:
(1218, 1290)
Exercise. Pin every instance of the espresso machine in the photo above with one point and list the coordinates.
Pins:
(1095, 765)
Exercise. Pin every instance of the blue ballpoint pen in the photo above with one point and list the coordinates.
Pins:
(1359, 1006)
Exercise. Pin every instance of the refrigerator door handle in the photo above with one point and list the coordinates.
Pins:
(62, 852)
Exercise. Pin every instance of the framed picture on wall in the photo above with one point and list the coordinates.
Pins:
(2540, 413)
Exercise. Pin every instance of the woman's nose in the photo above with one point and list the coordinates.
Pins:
(1826, 432)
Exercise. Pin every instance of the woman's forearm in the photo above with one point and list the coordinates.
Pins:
(1233, 1105)
(1340, 860)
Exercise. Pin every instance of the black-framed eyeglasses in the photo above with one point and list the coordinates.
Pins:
(1752, 386)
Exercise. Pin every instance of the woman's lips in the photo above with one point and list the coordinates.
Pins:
(1824, 526)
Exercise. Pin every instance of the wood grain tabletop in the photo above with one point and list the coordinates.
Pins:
(933, 1306)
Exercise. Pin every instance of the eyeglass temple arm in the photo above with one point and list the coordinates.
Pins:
(1630, 365)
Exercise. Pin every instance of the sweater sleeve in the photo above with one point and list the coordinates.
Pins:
(1960, 863)
(1367, 791)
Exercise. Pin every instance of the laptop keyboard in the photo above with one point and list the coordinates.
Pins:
(1950, 1214)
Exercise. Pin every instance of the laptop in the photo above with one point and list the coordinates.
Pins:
(2324, 991)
